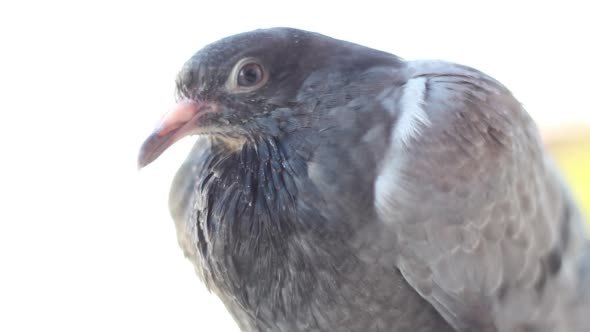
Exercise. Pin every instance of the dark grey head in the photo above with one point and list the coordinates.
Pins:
(245, 85)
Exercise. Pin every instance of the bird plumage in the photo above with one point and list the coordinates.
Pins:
(356, 191)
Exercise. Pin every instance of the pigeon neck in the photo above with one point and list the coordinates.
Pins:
(250, 216)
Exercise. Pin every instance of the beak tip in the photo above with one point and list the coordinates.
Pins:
(140, 165)
(141, 161)
(146, 152)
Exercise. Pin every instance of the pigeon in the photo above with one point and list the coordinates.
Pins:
(335, 187)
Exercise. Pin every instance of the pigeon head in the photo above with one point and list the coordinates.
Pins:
(250, 84)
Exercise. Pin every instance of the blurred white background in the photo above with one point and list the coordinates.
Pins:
(86, 243)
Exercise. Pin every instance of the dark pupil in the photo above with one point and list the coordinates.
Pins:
(249, 75)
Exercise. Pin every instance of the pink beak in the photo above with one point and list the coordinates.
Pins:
(176, 124)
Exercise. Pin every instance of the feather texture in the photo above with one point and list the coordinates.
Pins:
(355, 191)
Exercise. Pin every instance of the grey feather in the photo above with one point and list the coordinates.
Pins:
(484, 223)
(362, 192)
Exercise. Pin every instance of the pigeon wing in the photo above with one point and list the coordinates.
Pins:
(486, 231)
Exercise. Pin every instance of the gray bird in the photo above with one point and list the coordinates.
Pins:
(334, 187)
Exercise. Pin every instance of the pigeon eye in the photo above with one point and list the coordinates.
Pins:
(247, 75)
(250, 74)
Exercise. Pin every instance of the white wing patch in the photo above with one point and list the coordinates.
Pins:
(413, 117)
(412, 120)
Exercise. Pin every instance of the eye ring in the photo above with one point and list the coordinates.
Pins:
(247, 75)
(250, 74)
